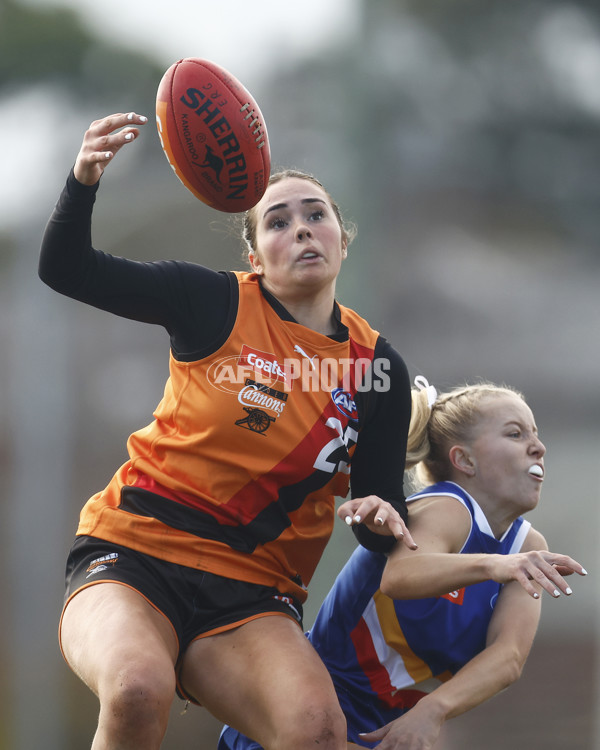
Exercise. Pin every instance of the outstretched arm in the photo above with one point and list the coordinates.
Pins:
(441, 525)
(192, 302)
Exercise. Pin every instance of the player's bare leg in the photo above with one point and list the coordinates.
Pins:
(266, 679)
(125, 651)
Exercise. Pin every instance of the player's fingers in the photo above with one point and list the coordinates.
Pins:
(549, 579)
(567, 565)
(387, 515)
(113, 142)
(377, 734)
(400, 531)
(565, 571)
(562, 561)
(110, 134)
(378, 515)
(525, 580)
(556, 566)
(347, 510)
(110, 123)
(359, 509)
(383, 513)
(569, 570)
(134, 117)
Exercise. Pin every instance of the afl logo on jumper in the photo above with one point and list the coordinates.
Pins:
(228, 374)
(344, 403)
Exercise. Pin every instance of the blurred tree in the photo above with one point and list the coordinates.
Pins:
(495, 98)
(51, 46)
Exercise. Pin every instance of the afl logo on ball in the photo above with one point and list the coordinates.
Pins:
(344, 403)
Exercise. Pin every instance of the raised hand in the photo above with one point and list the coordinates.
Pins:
(102, 141)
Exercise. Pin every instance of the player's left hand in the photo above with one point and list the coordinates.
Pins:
(414, 730)
(378, 516)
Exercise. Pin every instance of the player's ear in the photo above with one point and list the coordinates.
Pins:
(460, 458)
(255, 263)
(344, 249)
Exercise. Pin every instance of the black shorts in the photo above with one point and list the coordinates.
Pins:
(195, 602)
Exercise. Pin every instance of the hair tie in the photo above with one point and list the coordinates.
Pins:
(422, 384)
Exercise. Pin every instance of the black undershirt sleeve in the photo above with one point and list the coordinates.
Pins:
(192, 302)
(380, 454)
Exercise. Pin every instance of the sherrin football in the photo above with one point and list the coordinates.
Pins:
(213, 134)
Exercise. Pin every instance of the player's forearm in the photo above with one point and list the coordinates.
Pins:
(487, 674)
(66, 245)
(434, 574)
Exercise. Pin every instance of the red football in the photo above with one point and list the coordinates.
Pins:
(213, 135)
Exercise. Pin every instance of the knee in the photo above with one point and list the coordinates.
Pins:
(322, 726)
(135, 703)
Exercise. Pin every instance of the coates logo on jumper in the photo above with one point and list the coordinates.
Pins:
(264, 364)
(455, 596)
(344, 403)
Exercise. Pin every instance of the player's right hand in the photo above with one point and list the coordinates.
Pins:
(102, 140)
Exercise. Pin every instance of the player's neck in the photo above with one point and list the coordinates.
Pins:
(312, 310)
